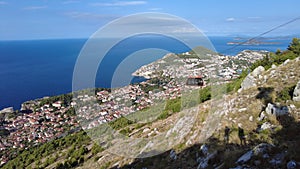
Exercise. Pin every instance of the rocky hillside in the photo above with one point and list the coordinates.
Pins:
(269, 119)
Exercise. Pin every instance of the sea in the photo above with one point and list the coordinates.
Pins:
(31, 69)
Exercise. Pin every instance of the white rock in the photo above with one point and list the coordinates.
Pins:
(296, 94)
(7, 110)
(244, 158)
(173, 155)
(272, 73)
(262, 148)
(277, 111)
(203, 161)
(292, 106)
(204, 149)
(265, 126)
(248, 82)
(146, 130)
(261, 116)
(286, 62)
(291, 165)
(273, 66)
(242, 109)
(251, 118)
(258, 71)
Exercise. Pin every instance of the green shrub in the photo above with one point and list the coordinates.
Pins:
(120, 123)
(285, 94)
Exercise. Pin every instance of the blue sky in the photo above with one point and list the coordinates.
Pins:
(52, 19)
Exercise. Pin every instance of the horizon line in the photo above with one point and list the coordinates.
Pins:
(86, 38)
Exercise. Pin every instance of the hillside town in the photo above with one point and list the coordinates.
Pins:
(39, 122)
(222, 67)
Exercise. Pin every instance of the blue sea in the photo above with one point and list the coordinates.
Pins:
(31, 69)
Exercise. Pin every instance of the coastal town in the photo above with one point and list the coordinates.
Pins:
(39, 121)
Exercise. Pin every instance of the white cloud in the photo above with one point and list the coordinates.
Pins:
(88, 15)
(34, 7)
(70, 2)
(121, 3)
(3, 3)
(230, 19)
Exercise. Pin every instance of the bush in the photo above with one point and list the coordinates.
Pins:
(163, 115)
(173, 105)
(204, 94)
(120, 123)
(285, 94)
(96, 149)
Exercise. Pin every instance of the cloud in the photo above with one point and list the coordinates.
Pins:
(3, 3)
(70, 2)
(88, 15)
(35, 7)
(230, 19)
(121, 3)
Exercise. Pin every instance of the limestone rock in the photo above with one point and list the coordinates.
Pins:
(262, 148)
(286, 62)
(291, 165)
(203, 161)
(296, 94)
(173, 155)
(273, 66)
(250, 80)
(276, 110)
(251, 118)
(146, 130)
(246, 157)
(258, 71)
(265, 126)
(204, 149)
(7, 110)
(262, 116)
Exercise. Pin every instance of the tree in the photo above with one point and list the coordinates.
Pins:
(278, 52)
(295, 46)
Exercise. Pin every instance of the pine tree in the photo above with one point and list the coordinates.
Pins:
(295, 46)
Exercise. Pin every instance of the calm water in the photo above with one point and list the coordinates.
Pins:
(38, 68)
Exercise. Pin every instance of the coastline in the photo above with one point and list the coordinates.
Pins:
(58, 79)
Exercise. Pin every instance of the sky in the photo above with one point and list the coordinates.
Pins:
(61, 19)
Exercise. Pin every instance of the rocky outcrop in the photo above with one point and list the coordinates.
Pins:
(265, 126)
(251, 79)
(296, 94)
(203, 160)
(292, 165)
(245, 157)
(259, 150)
(258, 71)
(173, 155)
(7, 110)
(276, 110)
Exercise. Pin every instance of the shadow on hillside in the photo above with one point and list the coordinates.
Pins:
(265, 94)
(189, 158)
(288, 137)
(288, 140)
